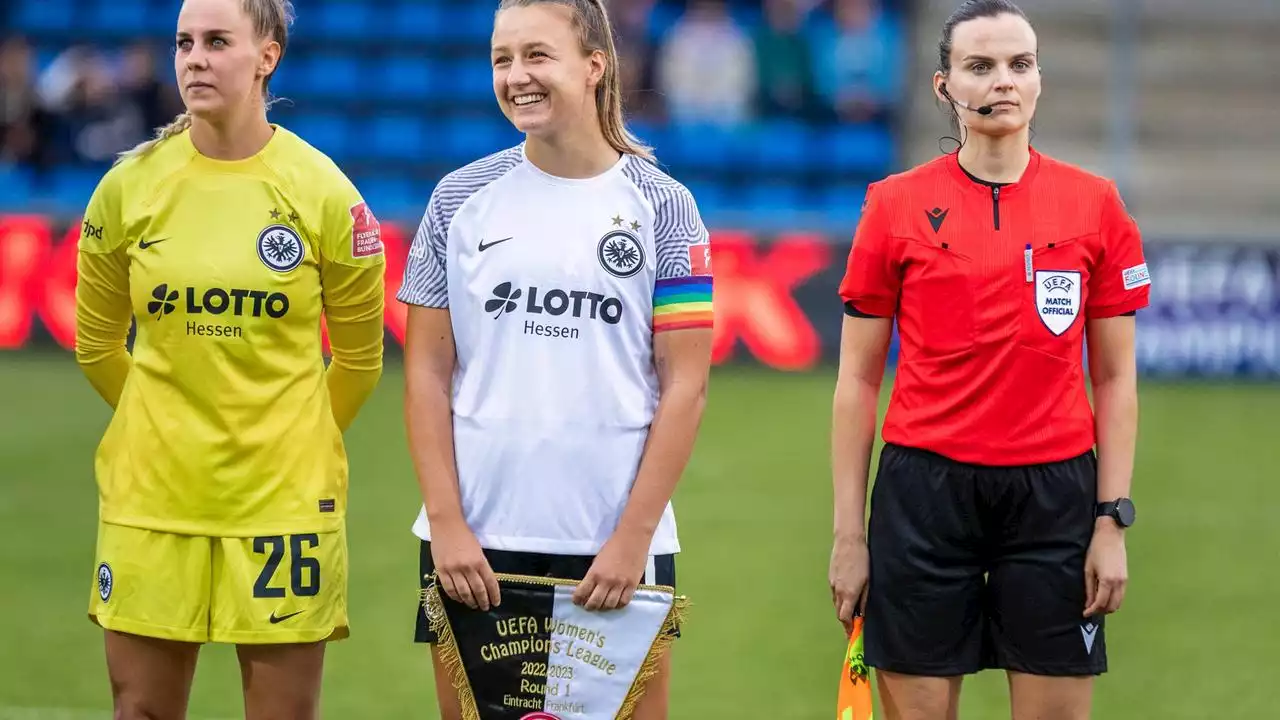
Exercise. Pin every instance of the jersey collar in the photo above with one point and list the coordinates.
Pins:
(962, 177)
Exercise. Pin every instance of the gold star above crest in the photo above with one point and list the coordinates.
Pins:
(293, 217)
(635, 225)
(275, 214)
(617, 221)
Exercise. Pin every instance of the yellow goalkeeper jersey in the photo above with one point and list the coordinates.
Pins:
(227, 420)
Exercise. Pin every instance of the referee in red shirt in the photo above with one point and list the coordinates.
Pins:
(996, 534)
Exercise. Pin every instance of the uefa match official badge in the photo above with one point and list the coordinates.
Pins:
(280, 248)
(1058, 299)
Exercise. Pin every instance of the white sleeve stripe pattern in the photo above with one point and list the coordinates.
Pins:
(425, 278)
(677, 223)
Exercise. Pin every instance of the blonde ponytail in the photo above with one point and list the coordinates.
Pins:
(609, 96)
(179, 125)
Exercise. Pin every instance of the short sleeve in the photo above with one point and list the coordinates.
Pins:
(425, 282)
(873, 273)
(351, 234)
(683, 289)
(1120, 283)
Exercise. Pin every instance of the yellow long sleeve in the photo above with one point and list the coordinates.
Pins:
(103, 317)
(354, 307)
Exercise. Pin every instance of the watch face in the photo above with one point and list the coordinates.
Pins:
(1125, 511)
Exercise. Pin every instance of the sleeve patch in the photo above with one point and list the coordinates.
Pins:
(700, 259)
(366, 232)
(1136, 277)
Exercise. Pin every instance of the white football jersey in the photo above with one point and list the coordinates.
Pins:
(555, 288)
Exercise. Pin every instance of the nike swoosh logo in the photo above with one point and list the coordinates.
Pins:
(143, 244)
(485, 246)
(276, 620)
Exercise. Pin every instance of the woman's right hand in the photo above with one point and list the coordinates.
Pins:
(461, 567)
(850, 565)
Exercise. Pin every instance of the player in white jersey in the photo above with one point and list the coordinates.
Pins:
(559, 338)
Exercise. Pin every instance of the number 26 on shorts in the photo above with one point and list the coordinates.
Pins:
(304, 572)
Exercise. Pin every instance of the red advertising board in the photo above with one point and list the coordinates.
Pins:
(775, 299)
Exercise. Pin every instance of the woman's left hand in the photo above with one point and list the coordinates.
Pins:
(1106, 569)
(615, 573)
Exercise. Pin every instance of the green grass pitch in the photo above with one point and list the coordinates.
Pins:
(1197, 637)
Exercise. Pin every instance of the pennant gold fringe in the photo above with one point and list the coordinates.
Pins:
(675, 618)
(447, 644)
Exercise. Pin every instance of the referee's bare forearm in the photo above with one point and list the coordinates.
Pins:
(864, 346)
(1116, 425)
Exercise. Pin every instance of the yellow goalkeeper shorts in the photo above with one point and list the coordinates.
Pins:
(263, 590)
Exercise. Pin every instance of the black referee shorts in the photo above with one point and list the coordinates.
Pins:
(977, 567)
(660, 570)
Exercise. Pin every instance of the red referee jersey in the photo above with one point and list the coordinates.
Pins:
(991, 366)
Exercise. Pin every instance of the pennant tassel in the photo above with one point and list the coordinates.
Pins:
(675, 618)
(447, 647)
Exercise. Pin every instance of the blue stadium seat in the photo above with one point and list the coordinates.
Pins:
(119, 17)
(44, 15)
(15, 188)
(867, 149)
(345, 20)
(329, 133)
(410, 77)
(393, 137)
(470, 79)
(781, 145)
(393, 196)
(418, 20)
(73, 186)
(702, 146)
(335, 76)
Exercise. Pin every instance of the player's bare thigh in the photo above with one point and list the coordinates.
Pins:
(282, 682)
(653, 706)
(913, 697)
(1034, 697)
(446, 696)
(150, 678)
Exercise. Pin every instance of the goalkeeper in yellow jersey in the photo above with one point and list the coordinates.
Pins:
(222, 476)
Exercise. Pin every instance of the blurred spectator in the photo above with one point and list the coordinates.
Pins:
(859, 61)
(784, 61)
(637, 57)
(156, 100)
(22, 123)
(98, 112)
(707, 67)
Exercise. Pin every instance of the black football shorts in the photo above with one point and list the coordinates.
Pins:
(660, 570)
(976, 567)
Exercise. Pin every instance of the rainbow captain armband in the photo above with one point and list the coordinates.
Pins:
(682, 303)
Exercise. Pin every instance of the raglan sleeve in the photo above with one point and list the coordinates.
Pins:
(873, 272)
(683, 289)
(425, 281)
(104, 311)
(353, 287)
(1119, 283)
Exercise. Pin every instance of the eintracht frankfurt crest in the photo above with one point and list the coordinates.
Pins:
(1057, 299)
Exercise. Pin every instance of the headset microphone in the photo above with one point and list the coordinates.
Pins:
(984, 110)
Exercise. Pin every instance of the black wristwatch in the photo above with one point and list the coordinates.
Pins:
(1121, 510)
